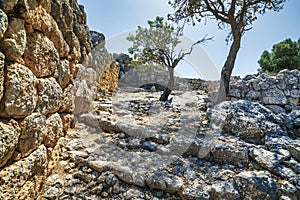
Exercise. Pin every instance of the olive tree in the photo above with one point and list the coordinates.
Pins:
(157, 44)
(236, 16)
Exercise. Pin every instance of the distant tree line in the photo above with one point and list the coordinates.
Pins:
(284, 55)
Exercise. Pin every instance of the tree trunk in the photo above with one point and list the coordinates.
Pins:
(170, 86)
(228, 67)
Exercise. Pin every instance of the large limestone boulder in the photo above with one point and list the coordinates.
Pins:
(165, 182)
(229, 152)
(294, 149)
(266, 159)
(273, 96)
(41, 20)
(83, 96)
(40, 55)
(256, 185)
(20, 95)
(246, 119)
(67, 104)
(54, 128)
(50, 96)
(63, 14)
(109, 78)
(14, 42)
(63, 73)
(15, 178)
(32, 133)
(224, 190)
(9, 134)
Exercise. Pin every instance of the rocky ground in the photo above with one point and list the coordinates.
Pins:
(135, 147)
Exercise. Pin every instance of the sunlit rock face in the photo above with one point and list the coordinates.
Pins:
(41, 42)
(279, 93)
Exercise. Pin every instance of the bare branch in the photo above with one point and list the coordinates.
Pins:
(203, 40)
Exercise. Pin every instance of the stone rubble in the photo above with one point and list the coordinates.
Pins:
(134, 163)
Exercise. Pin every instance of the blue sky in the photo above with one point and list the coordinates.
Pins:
(115, 18)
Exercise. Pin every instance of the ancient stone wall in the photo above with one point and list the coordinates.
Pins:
(279, 93)
(102, 64)
(142, 75)
(41, 46)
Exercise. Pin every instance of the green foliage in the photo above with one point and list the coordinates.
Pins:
(284, 55)
(155, 44)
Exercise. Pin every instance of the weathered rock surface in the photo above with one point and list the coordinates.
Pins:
(33, 129)
(42, 21)
(14, 41)
(63, 73)
(19, 180)
(289, 190)
(9, 134)
(20, 95)
(109, 78)
(256, 185)
(133, 153)
(67, 102)
(40, 55)
(165, 182)
(50, 96)
(224, 190)
(54, 130)
(279, 93)
(266, 159)
(8, 5)
(248, 120)
(229, 152)
(294, 148)
(104, 68)
(274, 96)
